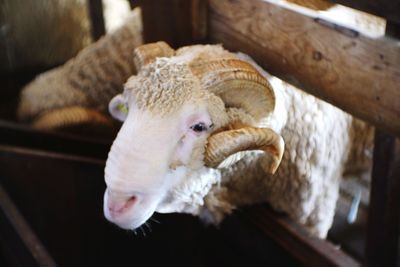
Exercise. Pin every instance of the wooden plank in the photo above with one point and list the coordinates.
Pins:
(358, 74)
(383, 235)
(166, 20)
(18, 242)
(178, 22)
(24, 136)
(309, 250)
(47, 188)
(389, 9)
(95, 8)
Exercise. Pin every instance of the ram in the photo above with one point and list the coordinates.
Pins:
(78, 92)
(203, 133)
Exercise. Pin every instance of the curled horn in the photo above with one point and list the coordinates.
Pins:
(223, 144)
(147, 53)
(71, 116)
(238, 84)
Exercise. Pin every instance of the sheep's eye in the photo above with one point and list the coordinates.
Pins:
(199, 127)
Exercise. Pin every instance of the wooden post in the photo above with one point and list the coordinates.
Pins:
(95, 8)
(178, 22)
(308, 250)
(384, 207)
(383, 232)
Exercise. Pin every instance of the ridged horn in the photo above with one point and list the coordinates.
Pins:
(223, 144)
(70, 116)
(238, 84)
(146, 54)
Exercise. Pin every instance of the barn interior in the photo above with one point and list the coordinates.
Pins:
(52, 181)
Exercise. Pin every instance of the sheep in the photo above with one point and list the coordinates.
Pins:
(203, 134)
(45, 33)
(75, 94)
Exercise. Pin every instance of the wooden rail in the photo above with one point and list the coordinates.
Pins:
(358, 74)
(12, 134)
(310, 251)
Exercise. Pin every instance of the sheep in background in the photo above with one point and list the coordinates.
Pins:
(194, 125)
(75, 94)
(45, 33)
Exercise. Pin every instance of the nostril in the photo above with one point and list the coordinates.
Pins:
(120, 206)
(130, 202)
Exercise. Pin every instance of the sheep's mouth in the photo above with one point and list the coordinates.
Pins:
(128, 222)
(135, 212)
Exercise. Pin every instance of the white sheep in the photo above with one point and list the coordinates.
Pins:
(79, 91)
(201, 136)
(44, 33)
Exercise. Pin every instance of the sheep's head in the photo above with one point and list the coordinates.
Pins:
(182, 117)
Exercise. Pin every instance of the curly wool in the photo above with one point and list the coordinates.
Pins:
(77, 84)
(165, 85)
(161, 87)
(319, 141)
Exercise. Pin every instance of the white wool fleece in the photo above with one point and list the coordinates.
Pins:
(188, 196)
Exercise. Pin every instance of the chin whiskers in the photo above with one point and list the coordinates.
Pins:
(148, 226)
(154, 220)
(145, 228)
(143, 231)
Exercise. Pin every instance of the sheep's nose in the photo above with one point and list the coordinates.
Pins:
(118, 206)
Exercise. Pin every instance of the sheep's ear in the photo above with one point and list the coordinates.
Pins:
(118, 107)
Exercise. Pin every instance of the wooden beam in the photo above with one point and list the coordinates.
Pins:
(199, 18)
(355, 73)
(389, 9)
(308, 250)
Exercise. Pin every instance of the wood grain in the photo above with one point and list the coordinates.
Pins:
(358, 74)
(168, 21)
(199, 20)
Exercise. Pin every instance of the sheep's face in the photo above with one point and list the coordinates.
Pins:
(161, 142)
